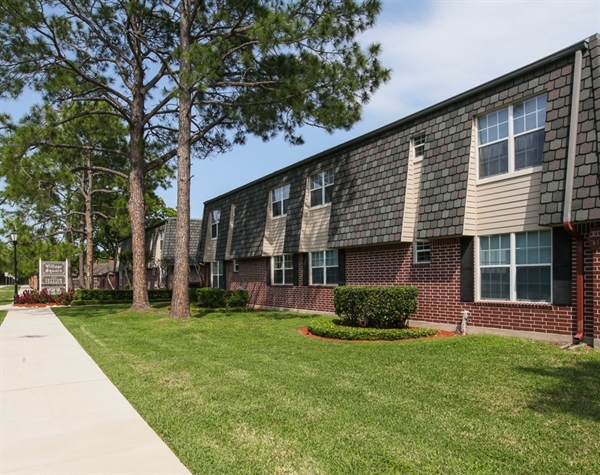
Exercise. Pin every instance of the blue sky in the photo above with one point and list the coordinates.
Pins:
(436, 49)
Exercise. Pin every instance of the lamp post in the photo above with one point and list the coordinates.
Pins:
(13, 238)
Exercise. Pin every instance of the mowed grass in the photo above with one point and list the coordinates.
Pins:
(2, 315)
(7, 293)
(245, 393)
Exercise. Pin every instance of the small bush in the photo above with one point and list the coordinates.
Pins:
(209, 297)
(376, 307)
(343, 331)
(108, 295)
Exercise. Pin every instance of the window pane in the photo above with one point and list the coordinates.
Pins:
(328, 193)
(278, 277)
(277, 194)
(286, 192)
(332, 275)
(289, 276)
(289, 262)
(316, 197)
(285, 206)
(529, 150)
(317, 259)
(495, 283)
(277, 262)
(328, 177)
(316, 181)
(493, 159)
(533, 283)
(276, 208)
(332, 258)
(317, 276)
(423, 256)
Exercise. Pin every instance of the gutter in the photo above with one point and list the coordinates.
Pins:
(567, 223)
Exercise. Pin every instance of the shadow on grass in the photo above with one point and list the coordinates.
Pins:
(575, 389)
(275, 315)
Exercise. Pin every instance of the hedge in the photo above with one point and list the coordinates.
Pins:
(209, 297)
(342, 331)
(83, 296)
(377, 307)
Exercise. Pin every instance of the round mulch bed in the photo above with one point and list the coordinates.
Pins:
(440, 334)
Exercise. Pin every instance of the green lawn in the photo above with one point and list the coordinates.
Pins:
(2, 315)
(246, 393)
(7, 293)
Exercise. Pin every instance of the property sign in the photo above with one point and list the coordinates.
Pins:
(54, 276)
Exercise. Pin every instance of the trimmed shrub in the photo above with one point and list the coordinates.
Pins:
(104, 295)
(376, 307)
(209, 297)
(343, 331)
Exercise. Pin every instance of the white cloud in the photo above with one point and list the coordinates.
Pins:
(458, 45)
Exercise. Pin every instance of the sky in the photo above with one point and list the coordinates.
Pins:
(436, 50)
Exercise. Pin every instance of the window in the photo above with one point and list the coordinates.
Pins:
(512, 138)
(160, 240)
(422, 252)
(321, 188)
(216, 280)
(516, 266)
(419, 147)
(324, 267)
(236, 265)
(216, 217)
(279, 200)
(283, 270)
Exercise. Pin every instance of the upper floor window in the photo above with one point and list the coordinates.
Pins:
(422, 252)
(419, 147)
(512, 138)
(280, 198)
(214, 231)
(324, 267)
(283, 270)
(236, 265)
(160, 240)
(321, 188)
(516, 266)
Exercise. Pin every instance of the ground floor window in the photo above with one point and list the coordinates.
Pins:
(422, 252)
(324, 267)
(236, 265)
(516, 266)
(283, 270)
(216, 280)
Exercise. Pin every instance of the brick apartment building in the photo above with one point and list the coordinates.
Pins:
(487, 202)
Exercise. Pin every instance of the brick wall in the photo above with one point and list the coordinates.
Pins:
(439, 285)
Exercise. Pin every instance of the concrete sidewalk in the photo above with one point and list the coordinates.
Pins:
(61, 414)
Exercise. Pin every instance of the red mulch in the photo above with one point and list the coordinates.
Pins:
(440, 334)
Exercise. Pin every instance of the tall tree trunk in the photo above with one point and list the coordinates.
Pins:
(180, 303)
(82, 283)
(137, 211)
(89, 228)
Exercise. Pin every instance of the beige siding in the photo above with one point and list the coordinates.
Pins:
(210, 248)
(274, 235)
(315, 225)
(411, 199)
(509, 205)
(470, 223)
(230, 232)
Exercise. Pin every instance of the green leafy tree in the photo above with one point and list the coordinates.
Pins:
(193, 77)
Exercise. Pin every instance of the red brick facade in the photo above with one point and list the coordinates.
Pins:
(439, 285)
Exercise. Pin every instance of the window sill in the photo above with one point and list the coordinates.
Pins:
(507, 176)
(506, 303)
(279, 217)
(323, 285)
(422, 263)
(282, 285)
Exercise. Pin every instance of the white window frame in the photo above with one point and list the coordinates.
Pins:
(283, 201)
(325, 254)
(510, 139)
(323, 187)
(216, 270)
(284, 264)
(215, 218)
(236, 265)
(418, 145)
(513, 266)
(422, 248)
